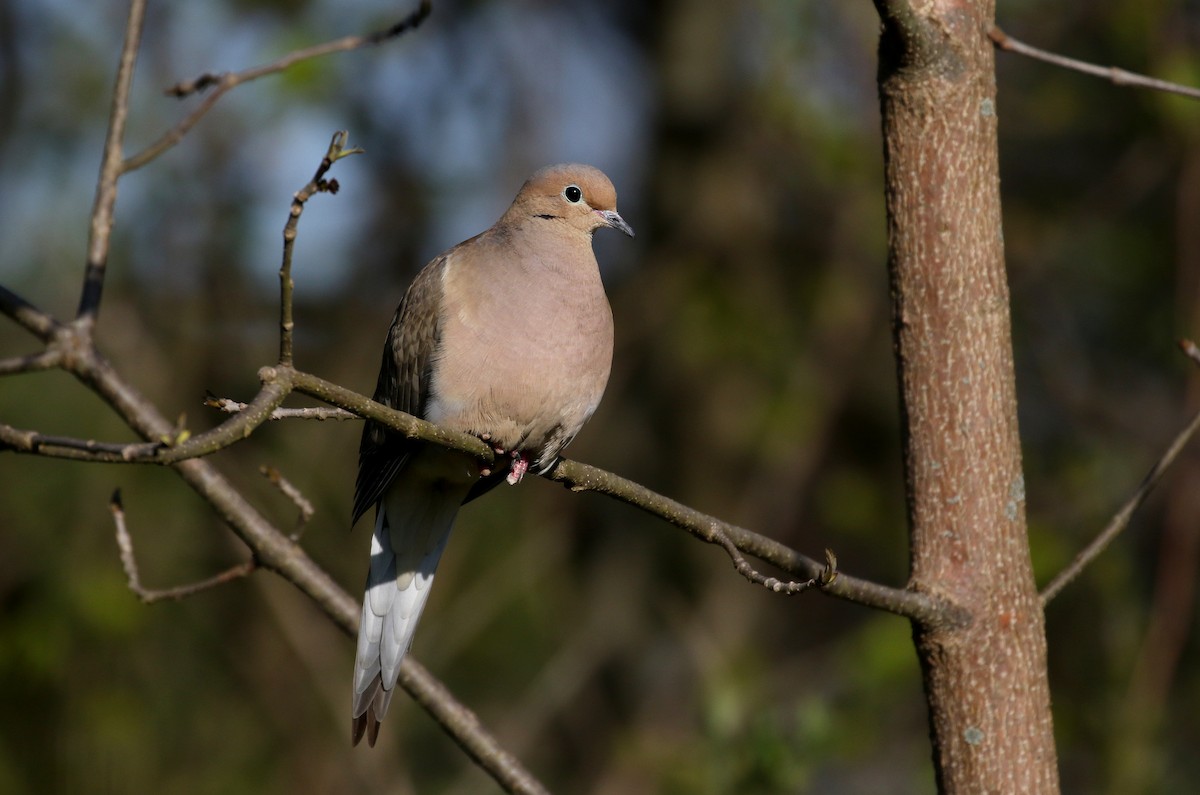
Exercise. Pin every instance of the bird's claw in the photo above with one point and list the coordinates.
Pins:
(518, 469)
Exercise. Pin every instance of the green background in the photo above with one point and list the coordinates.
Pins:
(753, 379)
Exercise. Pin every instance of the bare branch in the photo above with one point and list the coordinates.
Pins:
(208, 79)
(320, 413)
(51, 446)
(318, 184)
(110, 170)
(1118, 77)
(236, 428)
(150, 596)
(774, 584)
(30, 363)
(171, 446)
(223, 83)
(1121, 518)
(572, 474)
(28, 316)
(582, 477)
(294, 494)
(914, 605)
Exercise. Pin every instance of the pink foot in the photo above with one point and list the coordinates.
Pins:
(518, 469)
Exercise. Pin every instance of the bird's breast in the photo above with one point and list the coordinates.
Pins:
(526, 367)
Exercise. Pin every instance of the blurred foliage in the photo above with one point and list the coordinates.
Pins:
(753, 379)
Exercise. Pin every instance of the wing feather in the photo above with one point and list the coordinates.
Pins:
(404, 378)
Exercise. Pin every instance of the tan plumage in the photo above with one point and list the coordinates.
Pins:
(507, 336)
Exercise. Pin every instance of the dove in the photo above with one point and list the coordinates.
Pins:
(507, 336)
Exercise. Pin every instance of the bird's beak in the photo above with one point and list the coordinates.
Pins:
(613, 218)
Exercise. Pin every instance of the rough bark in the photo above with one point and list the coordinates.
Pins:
(985, 678)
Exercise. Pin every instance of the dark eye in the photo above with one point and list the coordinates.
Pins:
(573, 194)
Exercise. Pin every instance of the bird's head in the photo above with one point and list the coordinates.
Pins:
(577, 195)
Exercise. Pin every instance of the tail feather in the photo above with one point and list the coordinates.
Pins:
(412, 526)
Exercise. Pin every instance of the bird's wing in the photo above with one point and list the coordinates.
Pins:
(404, 380)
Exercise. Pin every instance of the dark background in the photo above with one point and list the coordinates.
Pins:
(753, 379)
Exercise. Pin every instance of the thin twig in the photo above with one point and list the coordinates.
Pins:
(173, 445)
(150, 595)
(318, 184)
(30, 363)
(208, 79)
(287, 489)
(52, 446)
(167, 446)
(223, 83)
(319, 413)
(1116, 76)
(27, 316)
(774, 584)
(110, 171)
(1121, 519)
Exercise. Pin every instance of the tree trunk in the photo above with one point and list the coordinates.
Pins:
(985, 679)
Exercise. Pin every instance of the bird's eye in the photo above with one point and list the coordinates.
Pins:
(573, 194)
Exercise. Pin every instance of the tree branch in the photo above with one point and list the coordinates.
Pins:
(30, 363)
(281, 381)
(28, 316)
(150, 596)
(921, 607)
(319, 413)
(20, 440)
(1122, 517)
(169, 447)
(572, 474)
(825, 578)
(289, 490)
(318, 184)
(1118, 77)
(110, 171)
(223, 83)
(582, 477)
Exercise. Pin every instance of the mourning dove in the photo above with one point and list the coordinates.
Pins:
(507, 336)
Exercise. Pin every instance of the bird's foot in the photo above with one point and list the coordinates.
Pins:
(520, 465)
(486, 438)
(516, 470)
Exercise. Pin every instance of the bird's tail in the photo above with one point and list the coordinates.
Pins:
(412, 526)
